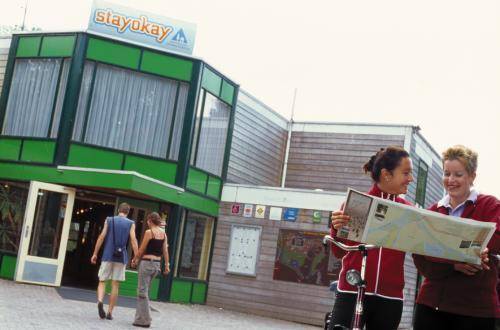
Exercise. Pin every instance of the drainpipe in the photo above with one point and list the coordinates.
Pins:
(288, 141)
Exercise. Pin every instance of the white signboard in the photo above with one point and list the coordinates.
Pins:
(149, 29)
(275, 213)
(243, 250)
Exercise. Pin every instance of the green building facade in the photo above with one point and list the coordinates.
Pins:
(109, 122)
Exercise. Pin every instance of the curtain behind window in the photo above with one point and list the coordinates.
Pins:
(179, 121)
(31, 98)
(60, 98)
(213, 134)
(129, 110)
(88, 71)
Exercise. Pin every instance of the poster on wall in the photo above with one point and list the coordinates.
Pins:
(317, 216)
(290, 214)
(235, 209)
(302, 258)
(260, 211)
(247, 210)
(243, 250)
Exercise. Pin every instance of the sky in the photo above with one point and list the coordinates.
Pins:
(429, 63)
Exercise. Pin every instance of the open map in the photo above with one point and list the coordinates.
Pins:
(401, 227)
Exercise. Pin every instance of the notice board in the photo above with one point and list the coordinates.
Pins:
(243, 250)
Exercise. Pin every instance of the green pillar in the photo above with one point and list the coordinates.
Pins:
(70, 103)
(188, 126)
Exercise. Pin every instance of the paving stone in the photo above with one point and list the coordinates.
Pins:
(26, 307)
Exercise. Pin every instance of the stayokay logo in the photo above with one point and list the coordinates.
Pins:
(180, 37)
(138, 25)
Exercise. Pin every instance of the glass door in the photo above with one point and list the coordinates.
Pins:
(44, 234)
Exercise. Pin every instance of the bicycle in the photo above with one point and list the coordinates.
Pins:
(354, 278)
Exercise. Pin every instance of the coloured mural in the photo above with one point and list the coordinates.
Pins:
(302, 258)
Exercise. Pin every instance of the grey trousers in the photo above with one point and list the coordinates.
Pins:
(147, 272)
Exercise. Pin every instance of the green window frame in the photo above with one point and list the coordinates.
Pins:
(423, 170)
(210, 118)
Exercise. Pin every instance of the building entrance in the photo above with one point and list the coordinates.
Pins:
(89, 213)
(86, 225)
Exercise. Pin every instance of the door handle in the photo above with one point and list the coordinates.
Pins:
(27, 231)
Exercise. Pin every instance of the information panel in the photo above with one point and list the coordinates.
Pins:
(243, 250)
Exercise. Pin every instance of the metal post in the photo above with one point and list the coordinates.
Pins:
(288, 141)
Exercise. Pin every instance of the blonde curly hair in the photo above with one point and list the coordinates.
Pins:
(464, 155)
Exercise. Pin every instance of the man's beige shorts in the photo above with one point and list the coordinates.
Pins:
(111, 271)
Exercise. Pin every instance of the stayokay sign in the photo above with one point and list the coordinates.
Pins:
(148, 29)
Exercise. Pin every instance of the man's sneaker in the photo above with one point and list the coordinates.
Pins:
(100, 309)
(109, 316)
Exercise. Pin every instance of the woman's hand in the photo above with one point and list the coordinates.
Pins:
(166, 270)
(485, 259)
(339, 219)
(133, 264)
(467, 269)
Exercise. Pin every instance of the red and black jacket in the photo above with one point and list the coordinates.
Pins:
(454, 292)
(384, 267)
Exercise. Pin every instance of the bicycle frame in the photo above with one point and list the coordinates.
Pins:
(360, 296)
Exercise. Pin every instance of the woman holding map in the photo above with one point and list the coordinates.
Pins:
(391, 171)
(457, 295)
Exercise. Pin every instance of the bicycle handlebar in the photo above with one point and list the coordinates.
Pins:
(348, 248)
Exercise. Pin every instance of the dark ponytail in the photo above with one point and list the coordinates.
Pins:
(388, 158)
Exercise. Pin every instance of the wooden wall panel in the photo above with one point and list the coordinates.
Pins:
(258, 147)
(262, 295)
(333, 161)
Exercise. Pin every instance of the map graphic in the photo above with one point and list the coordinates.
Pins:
(410, 229)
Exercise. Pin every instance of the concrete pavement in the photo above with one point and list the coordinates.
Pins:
(25, 307)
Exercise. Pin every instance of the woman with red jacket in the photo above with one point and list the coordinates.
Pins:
(391, 171)
(457, 295)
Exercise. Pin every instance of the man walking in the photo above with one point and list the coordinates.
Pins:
(116, 233)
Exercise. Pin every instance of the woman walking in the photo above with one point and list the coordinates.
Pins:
(153, 246)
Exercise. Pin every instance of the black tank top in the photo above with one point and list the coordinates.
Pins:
(155, 246)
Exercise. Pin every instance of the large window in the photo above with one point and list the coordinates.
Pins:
(13, 198)
(421, 184)
(301, 258)
(195, 246)
(36, 97)
(131, 111)
(212, 122)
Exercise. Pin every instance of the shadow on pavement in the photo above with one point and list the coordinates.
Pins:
(90, 296)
